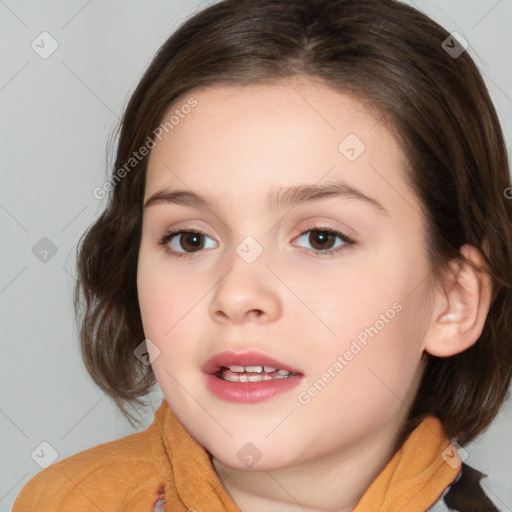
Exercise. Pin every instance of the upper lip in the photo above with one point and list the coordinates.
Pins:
(250, 358)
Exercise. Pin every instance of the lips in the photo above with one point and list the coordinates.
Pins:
(249, 377)
(252, 359)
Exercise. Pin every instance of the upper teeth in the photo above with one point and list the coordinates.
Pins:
(256, 369)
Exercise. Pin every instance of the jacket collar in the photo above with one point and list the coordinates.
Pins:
(412, 480)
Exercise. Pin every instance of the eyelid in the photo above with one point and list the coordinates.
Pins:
(322, 226)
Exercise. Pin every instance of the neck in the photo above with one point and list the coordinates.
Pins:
(334, 482)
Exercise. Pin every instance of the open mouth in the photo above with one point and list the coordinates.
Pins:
(236, 373)
(249, 377)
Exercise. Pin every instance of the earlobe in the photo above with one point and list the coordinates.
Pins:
(460, 307)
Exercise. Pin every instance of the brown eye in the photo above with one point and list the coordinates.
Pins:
(321, 239)
(190, 241)
(325, 241)
(182, 242)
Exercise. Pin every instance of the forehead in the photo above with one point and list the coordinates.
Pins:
(279, 114)
(246, 140)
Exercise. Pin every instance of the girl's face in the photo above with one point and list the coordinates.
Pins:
(307, 250)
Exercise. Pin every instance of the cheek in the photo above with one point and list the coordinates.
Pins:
(365, 378)
(165, 296)
(377, 317)
(360, 299)
(172, 305)
(164, 301)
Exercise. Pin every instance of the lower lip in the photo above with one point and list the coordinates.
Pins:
(250, 392)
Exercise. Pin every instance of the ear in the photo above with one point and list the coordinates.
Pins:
(460, 307)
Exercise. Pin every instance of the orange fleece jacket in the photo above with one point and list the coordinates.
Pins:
(163, 469)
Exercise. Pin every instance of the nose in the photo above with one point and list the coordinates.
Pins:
(247, 292)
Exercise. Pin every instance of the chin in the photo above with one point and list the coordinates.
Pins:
(260, 465)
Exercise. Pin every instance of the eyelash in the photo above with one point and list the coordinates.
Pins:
(348, 242)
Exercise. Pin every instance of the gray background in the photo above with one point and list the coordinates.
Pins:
(56, 117)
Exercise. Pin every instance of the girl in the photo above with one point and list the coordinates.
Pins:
(308, 245)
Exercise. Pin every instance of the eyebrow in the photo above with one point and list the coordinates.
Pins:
(280, 198)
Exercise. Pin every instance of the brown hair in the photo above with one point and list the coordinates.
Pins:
(389, 56)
